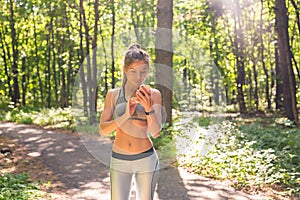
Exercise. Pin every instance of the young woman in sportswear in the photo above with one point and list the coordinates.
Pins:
(133, 111)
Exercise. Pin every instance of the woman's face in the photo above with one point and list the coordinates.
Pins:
(137, 73)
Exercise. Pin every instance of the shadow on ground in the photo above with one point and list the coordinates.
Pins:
(85, 177)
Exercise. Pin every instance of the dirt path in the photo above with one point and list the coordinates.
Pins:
(82, 176)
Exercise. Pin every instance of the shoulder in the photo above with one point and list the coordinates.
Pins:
(112, 93)
(155, 93)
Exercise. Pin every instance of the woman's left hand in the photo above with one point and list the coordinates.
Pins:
(144, 97)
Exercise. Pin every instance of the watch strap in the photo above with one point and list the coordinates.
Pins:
(149, 113)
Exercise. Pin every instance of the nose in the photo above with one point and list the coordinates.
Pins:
(139, 75)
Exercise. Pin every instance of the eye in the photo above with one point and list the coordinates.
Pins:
(143, 72)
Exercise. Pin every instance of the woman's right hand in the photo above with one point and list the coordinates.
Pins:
(132, 105)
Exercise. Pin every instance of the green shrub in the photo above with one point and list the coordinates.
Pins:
(60, 118)
(18, 187)
(249, 155)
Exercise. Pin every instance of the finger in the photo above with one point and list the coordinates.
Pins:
(144, 90)
(147, 88)
(140, 97)
(141, 94)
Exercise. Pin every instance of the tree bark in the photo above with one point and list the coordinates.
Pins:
(164, 54)
(239, 54)
(112, 44)
(62, 62)
(14, 45)
(37, 63)
(106, 62)
(287, 74)
(81, 59)
(5, 62)
(71, 55)
(54, 62)
(24, 84)
(262, 56)
(93, 86)
(91, 105)
(279, 86)
(48, 71)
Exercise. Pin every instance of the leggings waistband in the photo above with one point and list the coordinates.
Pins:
(134, 156)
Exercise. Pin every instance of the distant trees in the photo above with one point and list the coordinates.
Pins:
(244, 53)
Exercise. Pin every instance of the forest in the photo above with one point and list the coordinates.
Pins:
(238, 60)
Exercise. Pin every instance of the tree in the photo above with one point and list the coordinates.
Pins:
(164, 54)
(285, 64)
(240, 58)
(113, 21)
(16, 90)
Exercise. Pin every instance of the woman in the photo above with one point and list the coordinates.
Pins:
(132, 111)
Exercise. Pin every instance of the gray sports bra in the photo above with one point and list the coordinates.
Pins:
(120, 108)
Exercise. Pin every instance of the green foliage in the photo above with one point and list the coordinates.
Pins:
(18, 187)
(58, 118)
(250, 155)
(204, 121)
(87, 129)
(166, 137)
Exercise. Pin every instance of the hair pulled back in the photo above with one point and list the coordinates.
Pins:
(134, 53)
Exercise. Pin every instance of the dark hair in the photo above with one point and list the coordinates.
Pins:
(134, 53)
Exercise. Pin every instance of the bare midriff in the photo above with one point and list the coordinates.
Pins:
(129, 144)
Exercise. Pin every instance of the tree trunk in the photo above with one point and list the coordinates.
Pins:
(262, 55)
(287, 74)
(24, 84)
(48, 71)
(81, 59)
(164, 54)
(5, 62)
(112, 44)
(106, 62)
(16, 89)
(240, 62)
(256, 99)
(37, 63)
(70, 68)
(53, 47)
(63, 75)
(214, 52)
(279, 86)
(88, 68)
(93, 86)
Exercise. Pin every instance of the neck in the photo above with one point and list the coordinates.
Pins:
(130, 89)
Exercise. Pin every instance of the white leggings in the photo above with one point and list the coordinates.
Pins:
(143, 166)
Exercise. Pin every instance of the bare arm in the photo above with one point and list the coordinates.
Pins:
(155, 119)
(152, 102)
(107, 123)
